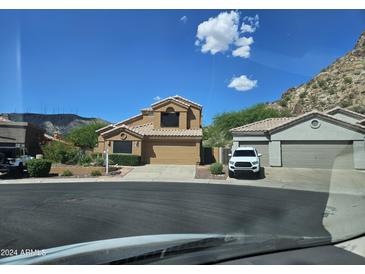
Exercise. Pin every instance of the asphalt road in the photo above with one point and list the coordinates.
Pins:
(48, 215)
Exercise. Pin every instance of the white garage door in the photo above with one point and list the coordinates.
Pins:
(326, 155)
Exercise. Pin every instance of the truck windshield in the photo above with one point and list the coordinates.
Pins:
(244, 153)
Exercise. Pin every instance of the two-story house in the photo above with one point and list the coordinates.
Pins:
(168, 132)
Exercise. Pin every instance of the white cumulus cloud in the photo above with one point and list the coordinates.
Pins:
(242, 83)
(157, 98)
(184, 19)
(217, 33)
(222, 33)
(250, 24)
(243, 47)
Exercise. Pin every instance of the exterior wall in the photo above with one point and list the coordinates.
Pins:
(346, 118)
(359, 154)
(194, 118)
(275, 153)
(327, 131)
(144, 119)
(171, 151)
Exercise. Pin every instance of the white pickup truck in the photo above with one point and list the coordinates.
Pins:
(244, 159)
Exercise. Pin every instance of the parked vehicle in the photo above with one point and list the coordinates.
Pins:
(13, 159)
(244, 159)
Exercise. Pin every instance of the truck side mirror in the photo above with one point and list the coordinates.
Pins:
(259, 154)
(229, 154)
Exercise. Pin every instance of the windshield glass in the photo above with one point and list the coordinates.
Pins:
(244, 153)
(155, 129)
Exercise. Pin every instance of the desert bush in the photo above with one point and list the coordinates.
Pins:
(67, 172)
(216, 168)
(85, 160)
(125, 159)
(39, 167)
(348, 80)
(60, 152)
(99, 161)
(95, 173)
(303, 94)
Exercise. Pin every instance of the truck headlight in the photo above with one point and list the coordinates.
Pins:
(255, 162)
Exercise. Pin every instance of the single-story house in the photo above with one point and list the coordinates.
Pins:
(168, 132)
(331, 139)
(20, 135)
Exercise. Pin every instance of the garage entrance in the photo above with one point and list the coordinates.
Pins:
(317, 154)
(171, 152)
(261, 147)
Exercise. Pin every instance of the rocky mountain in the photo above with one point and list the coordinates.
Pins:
(340, 84)
(52, 123)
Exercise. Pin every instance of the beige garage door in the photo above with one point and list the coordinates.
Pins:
(261, 147)
(326, 155)
(172, 152)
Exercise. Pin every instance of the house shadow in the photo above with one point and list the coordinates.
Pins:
(251, 175)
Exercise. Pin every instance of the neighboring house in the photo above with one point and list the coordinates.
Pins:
(169, 132)
(331, 139)
(21, 135)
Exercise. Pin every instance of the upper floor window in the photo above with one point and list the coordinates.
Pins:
(170, 118)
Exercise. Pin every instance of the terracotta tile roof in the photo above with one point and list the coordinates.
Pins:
(187, 100)
(275, 124)
(345, 110)
(176, 100)
(148, 130)
(263, 125)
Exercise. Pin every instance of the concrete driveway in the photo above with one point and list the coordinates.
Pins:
(324, 180)
(161, 172)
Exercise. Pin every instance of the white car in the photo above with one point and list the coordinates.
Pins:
(244, 159)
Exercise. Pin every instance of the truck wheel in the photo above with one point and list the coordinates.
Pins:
(230, 174)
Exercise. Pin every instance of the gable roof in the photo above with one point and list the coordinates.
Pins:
(148, 130)
(170, 99)
(272, 125)
(263, 125)
(125, 128)
(346, 111)
(178, 97)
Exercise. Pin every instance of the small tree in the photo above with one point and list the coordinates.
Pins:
(85, 136)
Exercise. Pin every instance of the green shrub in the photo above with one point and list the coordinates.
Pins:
(85, 136)
(321, 83)
(85, 160)
(60, 152)
(39, 167)
(125, 159)
(345, 103)
(95, 173)
(348, 80)
(303, 94)
(216, 168)
(99, 161)
(67, 172)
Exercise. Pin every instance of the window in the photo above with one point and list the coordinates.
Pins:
(122, 147)
(170, 118)
(244, 153)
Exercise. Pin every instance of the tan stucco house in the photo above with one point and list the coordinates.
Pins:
(168, 132)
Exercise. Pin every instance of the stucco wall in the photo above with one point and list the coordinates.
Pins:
(326, 131)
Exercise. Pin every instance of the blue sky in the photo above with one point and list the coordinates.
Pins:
(111, 63)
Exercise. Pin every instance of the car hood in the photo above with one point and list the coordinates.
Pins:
(155, 248)
(244, 159)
